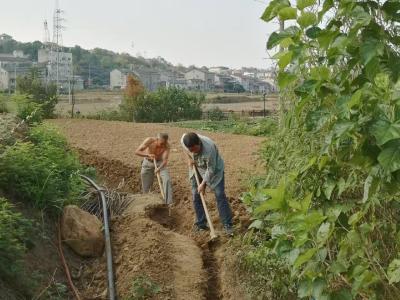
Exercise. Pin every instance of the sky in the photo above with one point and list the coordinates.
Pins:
(190, 32)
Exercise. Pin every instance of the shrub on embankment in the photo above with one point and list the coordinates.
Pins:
(41, 170)
(328, 208)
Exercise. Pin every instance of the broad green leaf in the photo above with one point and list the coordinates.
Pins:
(256, 224)
(355, 217)
(364, 280)
(277, 231)
(293, 255)
(370, 49)
(313, 219)
(306, 202)
(276, 38)
(305, 289)
(325, 37)
(382, 81)
(323, 233)
(370, 186)
(341, 186)
(285, 59)
(393, 271)
(318, 287)
(306, 19)
(284, 79)
(294, 204)
(305, 257)
(320, 73)
(337, 268)
(273, 8)
(355, 99)
(389, 158)
(313, 32)
(302, 4)
(287, 13)
(360, 16)
(286, 42)
(328, 187)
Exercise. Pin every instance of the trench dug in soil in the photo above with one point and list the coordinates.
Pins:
(150, 241)
(146, 241)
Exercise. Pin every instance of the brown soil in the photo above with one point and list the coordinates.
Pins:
(168, 246)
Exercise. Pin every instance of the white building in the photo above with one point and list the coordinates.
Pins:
(200, 80)
(61, 72)
(118, 79)
(13, 65)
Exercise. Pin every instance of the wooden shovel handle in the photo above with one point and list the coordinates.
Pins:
(203, 200)
(159, 181)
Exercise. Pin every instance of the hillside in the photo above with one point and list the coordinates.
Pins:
(99, 62)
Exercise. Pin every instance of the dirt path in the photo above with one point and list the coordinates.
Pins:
(109, 146)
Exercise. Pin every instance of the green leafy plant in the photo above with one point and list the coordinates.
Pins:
(167, 105)
(14, 231)
(328, 205)
(27, 109)
(143, 288)
(35, 91)
(41, 171)
(3, 104)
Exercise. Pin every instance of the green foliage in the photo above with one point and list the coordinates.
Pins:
(167, 105)
(38, 93)
(27, 109)
(14, 231)
(111, 115)
(3, 104)
(215, 114)
(329, 203)
(143, 288)
(255, 127)
(41, 171)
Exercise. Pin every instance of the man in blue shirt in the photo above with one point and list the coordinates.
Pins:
(204, 154)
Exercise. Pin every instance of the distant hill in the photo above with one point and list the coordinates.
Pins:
(99, 62)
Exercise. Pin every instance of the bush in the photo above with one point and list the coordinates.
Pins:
(44, 96)
(14, 230)
(41, 171)
(168, 105)
(27, 109)
(215, 114)
(328, 205)
(112, 115)
(3, 104)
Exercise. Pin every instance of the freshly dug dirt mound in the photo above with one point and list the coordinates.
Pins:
(144, 248)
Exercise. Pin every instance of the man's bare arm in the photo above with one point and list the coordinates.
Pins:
(141, 150)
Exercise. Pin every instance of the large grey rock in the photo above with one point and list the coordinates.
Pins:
(82, 231)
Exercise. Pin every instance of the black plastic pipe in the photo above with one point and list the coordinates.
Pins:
(110, 272)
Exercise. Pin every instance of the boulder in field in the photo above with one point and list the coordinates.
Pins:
(82, 231)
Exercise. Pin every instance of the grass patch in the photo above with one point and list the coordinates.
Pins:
(254, 127)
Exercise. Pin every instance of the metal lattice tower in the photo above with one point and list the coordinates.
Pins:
(56, 45)
(46, 34)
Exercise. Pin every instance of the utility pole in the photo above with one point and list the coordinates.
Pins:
(15, 78)
(90, 79)
(264, 104)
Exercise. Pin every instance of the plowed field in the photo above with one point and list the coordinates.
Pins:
(110, 146)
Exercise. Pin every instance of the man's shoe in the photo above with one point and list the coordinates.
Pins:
(202, 227)
(228, 230)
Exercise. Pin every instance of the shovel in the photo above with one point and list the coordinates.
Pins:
(203, 200)
(161, 187)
